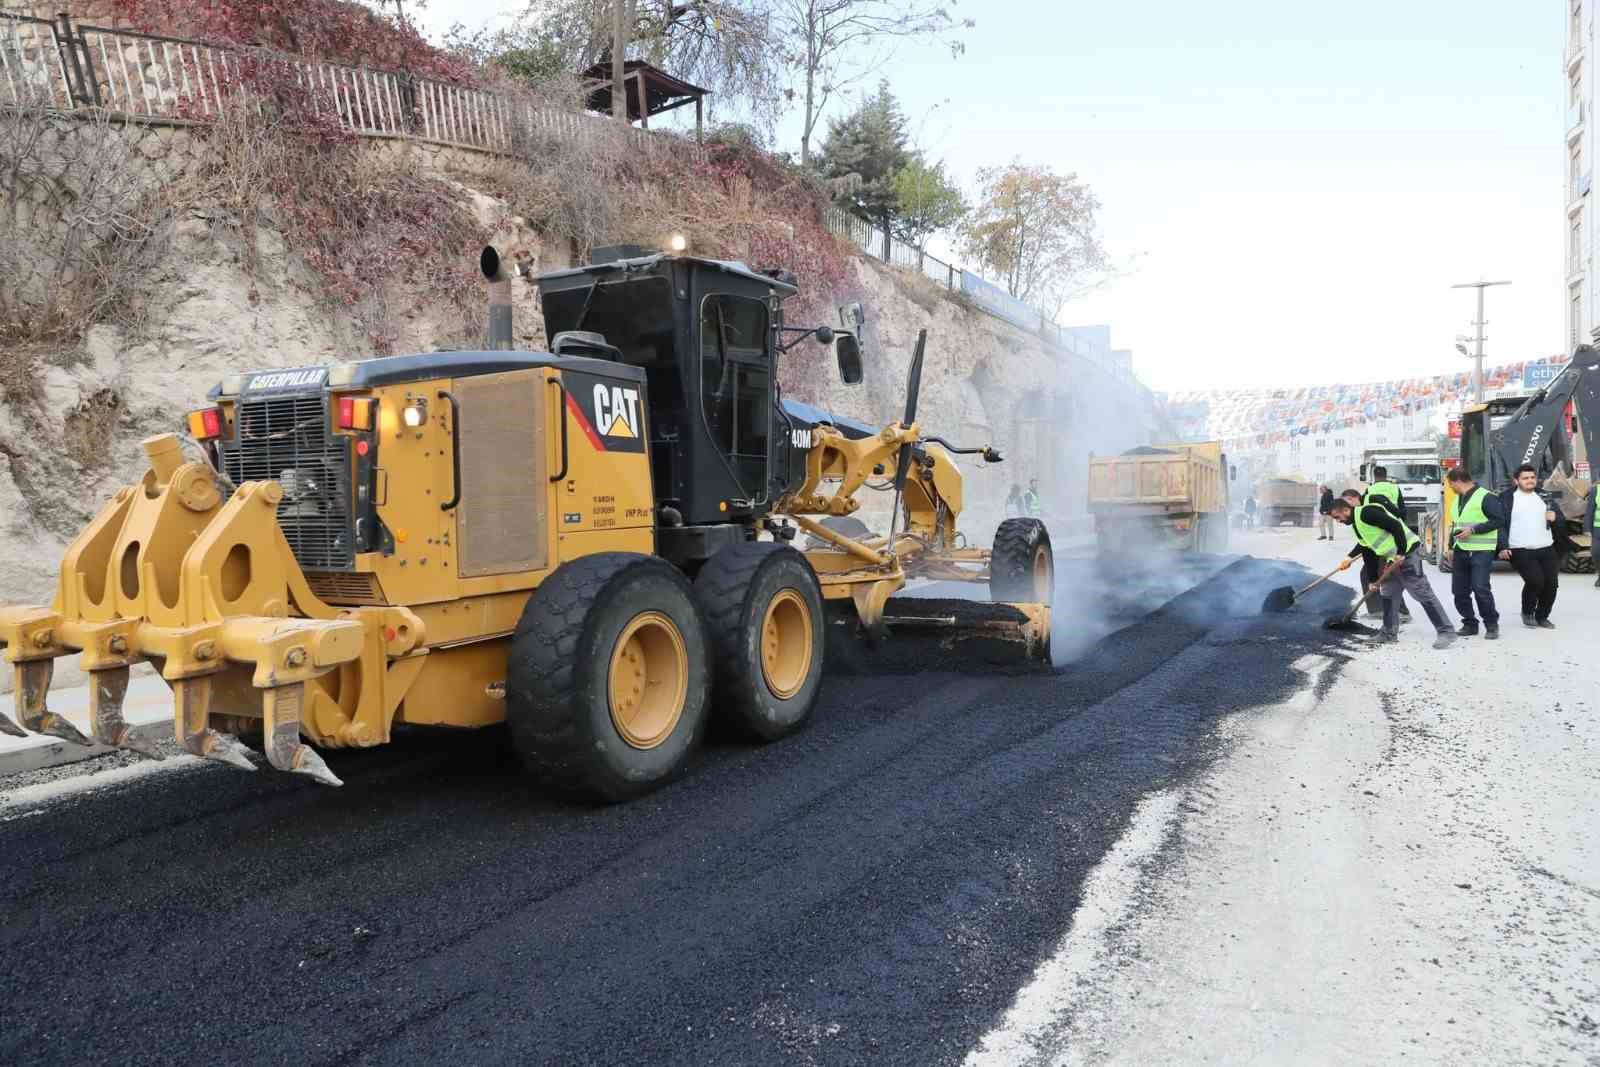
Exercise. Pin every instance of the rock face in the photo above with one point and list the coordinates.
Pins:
(70, 431)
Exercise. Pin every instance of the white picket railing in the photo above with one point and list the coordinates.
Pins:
(65, 66)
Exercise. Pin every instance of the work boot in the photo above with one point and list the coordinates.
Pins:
(1469, 628)
(1387, 637)
(1491, 632)
(1527, 620)
(1445, 639)
(1544, 624)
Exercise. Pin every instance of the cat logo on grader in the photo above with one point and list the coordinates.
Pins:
(393, 543)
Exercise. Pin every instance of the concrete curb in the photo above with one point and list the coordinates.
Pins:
(148, 710)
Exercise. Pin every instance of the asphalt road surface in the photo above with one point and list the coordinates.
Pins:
(875, 889)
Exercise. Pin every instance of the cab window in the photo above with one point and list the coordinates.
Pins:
(734, 371)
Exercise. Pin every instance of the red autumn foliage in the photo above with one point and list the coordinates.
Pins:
(335, 30)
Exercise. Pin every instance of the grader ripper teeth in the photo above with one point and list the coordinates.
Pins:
(169, 574)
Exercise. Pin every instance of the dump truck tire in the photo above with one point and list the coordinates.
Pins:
(1574, 563)
(607, 678)
(1022, 567)
(763, 612)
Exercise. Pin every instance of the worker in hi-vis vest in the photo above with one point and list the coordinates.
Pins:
(1475, 539)
(1395, 546)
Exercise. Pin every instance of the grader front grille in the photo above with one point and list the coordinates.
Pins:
(286, 439)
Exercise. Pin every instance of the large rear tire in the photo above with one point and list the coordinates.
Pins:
(1574, 563)
(607, 677)
(763, 612)
(1022, 567)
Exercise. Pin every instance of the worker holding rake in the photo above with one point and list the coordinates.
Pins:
(1395, 545)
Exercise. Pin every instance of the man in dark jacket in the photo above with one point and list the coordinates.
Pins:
(1479, 523)
(1323, 507)
(1389, 539)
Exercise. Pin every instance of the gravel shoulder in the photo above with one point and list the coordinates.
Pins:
(1396, 863)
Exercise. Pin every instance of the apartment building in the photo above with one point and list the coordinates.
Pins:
(1580, 147)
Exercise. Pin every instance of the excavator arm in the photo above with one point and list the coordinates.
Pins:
(1531, 429)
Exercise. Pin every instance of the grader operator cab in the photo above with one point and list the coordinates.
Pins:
(592, 544)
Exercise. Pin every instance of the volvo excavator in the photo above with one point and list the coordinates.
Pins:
(1546, 429)
(593, 544)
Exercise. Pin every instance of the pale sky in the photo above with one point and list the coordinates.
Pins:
(1292, 187)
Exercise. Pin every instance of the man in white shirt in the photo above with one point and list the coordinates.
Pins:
(1530, 547)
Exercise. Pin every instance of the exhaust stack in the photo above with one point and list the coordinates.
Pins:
(493, 268)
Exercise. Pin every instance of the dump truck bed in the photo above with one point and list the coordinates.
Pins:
(1160, 479)
(1176, 493)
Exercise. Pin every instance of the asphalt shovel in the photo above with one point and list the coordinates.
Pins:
(1347, 620)
(1283, 597)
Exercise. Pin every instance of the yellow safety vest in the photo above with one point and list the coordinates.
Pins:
(1385, 491)
(1469, 512)
(1380, 541)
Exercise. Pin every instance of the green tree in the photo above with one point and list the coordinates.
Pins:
(869, 142)
(833, 43)
(1037, 230)
(925, 201)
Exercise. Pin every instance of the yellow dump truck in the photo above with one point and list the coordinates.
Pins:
(1171, 495)
(1285, 498)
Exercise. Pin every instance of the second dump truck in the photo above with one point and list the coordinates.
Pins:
(1168, 495)
(1287, 499)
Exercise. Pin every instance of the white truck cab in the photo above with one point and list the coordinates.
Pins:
(1415, 468)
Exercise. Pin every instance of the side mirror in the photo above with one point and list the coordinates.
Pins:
(852, 316)
(847, 350)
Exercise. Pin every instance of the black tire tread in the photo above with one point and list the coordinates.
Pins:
(546, 736)
(720, 591)
(1011, 561)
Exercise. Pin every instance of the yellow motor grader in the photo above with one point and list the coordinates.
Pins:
(592, 544)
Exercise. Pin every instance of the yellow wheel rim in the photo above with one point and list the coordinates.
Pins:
(649, 679)
(1044, 574)
(786, 643)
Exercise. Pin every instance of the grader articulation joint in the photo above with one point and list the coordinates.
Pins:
(570, 542)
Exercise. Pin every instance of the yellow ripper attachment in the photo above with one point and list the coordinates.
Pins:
(168, 573)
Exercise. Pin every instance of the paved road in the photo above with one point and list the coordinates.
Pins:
(1395, 865)
(875, 889)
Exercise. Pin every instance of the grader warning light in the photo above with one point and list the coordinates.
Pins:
(355, 413)
(206, 424)
(605, 586)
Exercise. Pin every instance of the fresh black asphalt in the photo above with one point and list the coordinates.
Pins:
(874, 889)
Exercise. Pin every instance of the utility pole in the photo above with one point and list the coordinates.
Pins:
(1480, 322)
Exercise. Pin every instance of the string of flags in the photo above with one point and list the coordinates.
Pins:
(1261, 418)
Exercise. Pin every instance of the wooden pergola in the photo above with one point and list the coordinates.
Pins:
(648, 91)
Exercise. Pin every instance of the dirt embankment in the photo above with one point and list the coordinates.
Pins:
(219, 297)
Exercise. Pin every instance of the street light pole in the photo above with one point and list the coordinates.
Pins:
(1480, 322)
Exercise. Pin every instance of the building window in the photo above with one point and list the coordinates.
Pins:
(1322, 442)
(1576, 41)
(1575, 169)
(1338, 442)
(1575, 324)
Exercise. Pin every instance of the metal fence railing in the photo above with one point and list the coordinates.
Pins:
(62, 65)
(992, 298)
